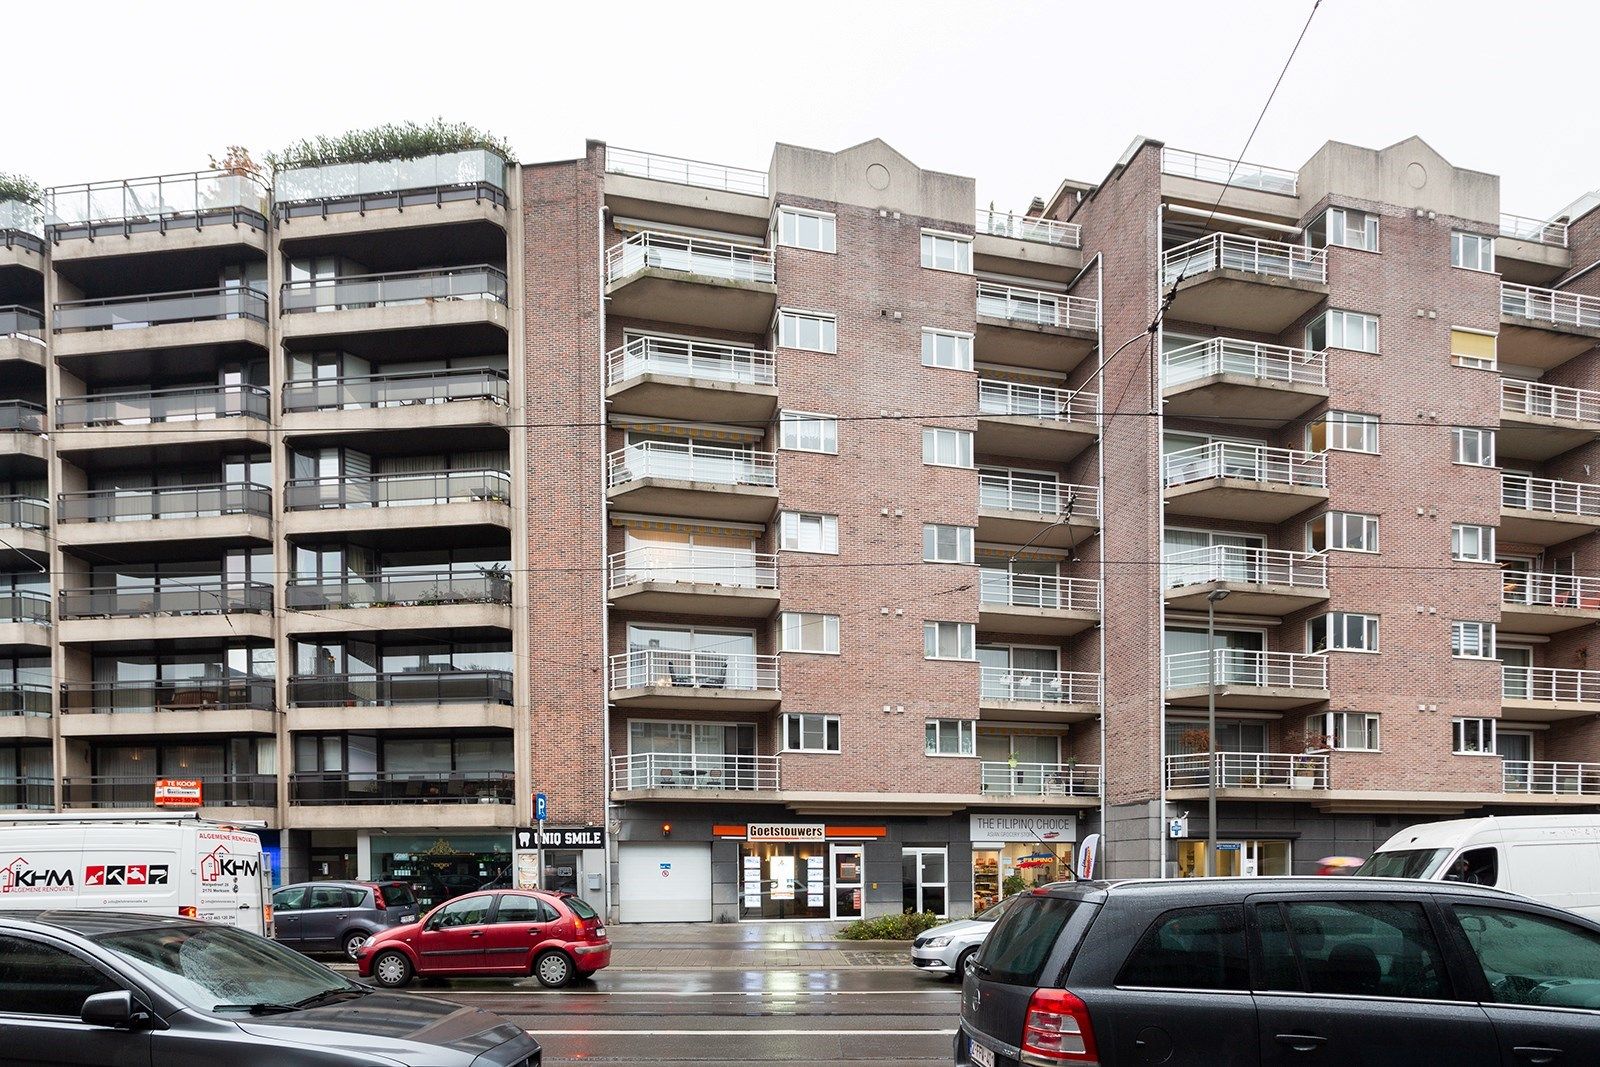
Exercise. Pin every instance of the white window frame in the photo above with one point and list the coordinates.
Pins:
(960, 246)
(1345, 320)
(792, 624)
(1481, 644)
(966, 731)
(1475, 362)
(932, 435)
(1476, 247)
(791, 525)
(1339, 218)
(1480, 538)
(1340, 428)
(791, 433)
(966, 637)
(832, 742)
(962, 348)
(1485, 731)
(966, 536)
(1336, 724)
(1331, 520)
(789, 236)
(1484, 443)
(1338, 624)
(827, 330)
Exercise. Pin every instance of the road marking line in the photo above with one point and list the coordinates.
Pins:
(953, 993)
(739, 1033)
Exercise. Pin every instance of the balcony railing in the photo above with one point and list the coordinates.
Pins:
(403, 787)
(216, 791)
(22, 323)
(1553, 684)
(24, 605)
(1036, 401)
(1038, 686)
(24, 698)
(1037, 307)
(19, 416)
(1040, 779)
(175, 596)
(1540, 590)
(215, 693)
(670, 668)
(22, 220)
(155, 204)
(1248, 770)
(1518, 397)
(703, 772)
(397, 390)
(339, 187)
(1538, 231)
(1021, 590)
(685, 171)
(1251, 255)
(185, 404)
(1249, 668)
(1250, 463)
(1248, 359)
(160, 309)
(400, 688)
(1547, 495)
(1246, 566)
(730, 567)
(24, 513)
(353, 291)
(689, 255)
(1224, 171)
(35, 794)
(1013, 491)
(1549, 305)
(397, 490)
(1028, 228)
(699, 360)
(406, 589)
(691, 462)
(1551, 778)
(165, 502)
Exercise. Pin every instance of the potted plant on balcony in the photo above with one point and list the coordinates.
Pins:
(1306, 768)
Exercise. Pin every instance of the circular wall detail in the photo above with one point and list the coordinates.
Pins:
(1416, 176)
(878, 176)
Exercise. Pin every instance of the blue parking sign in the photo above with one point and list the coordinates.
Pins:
(540, 807)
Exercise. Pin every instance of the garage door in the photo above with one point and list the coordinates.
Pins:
(664, 882)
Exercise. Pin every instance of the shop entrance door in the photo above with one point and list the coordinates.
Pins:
(846, 861)
(1252, 859)
(561, 871)
(923, 881)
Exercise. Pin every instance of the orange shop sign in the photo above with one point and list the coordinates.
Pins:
(178, 792)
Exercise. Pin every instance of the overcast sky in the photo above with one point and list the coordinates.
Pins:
(1018, 95)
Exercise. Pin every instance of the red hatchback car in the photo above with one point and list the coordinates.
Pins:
(552, 936)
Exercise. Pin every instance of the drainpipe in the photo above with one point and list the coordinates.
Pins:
(611, 909)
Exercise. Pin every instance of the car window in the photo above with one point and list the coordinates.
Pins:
(994, 911)
(1405, 863)
(1357, 948)
(516, 909)
(329, 896)
(1477, 866)
(1015, 950)
(1533, 959)
(467, 911)
(581, 908)
(398, 895)
(218, 969)
(289, 899)
(40, 979)
(1191, 948)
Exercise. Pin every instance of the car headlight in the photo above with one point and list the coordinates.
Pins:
(937, 942)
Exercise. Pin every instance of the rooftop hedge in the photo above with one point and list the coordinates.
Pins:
(394, 140)
(19, 187)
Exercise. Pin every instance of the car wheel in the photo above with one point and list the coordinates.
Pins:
(964, 963)
(353, 942)
(391, 969)
(553, 969)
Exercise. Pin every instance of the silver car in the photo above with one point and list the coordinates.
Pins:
(949, 949)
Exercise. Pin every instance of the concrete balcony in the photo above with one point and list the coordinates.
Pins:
(694, 681)
(25, 521)
(1027, 246)
(1015, 507)
(1544, 328)
(224, 415)
(1531, 251)
(1014, 603)
(1538, 421)
(398, 799)
(196, 318)
(21, 335)
(1259, 581)
(24, 713)
(1040, 781)
(642, 776)
(215, 705)
(409, 600)
(231, 511)
(1225, 379)
(406, 300)
(27, 794)
(695, 581)
(403, 700)
(665, 277)
(1243, 483)
(1038, 696)
(24, 618)
(338, 199)
(686, 192)
(1034, 327)
(1248, 775)
(1543, 511)
(1552, 781)
(1243, 282)
(693, 480)
(410, 501)
(22, 245)
(664, 377)
(22, 431)
(229, 796)
(166, 213)
(424, 400)
(1535, 603)
(1549, 693)
(1035, 421)
(168, 610)
(1246, 678)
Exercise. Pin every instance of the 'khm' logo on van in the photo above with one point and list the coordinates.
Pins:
(19, 876)
(219, 863)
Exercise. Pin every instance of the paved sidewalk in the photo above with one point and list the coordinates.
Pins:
(776, 946)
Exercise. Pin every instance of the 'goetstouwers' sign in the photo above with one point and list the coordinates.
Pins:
(785, 831)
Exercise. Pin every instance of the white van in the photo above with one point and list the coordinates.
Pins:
(1553, 858)
(153, 863)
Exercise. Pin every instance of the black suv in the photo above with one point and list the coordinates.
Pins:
(1268, 971)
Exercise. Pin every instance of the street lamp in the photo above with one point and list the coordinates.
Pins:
(1211, 727)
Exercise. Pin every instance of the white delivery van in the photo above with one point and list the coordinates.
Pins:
(153, 863)
(1553, 858)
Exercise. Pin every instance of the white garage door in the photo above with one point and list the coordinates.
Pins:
(664, 882)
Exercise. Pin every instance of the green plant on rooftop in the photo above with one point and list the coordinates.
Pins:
(19, 187)
(393, 140)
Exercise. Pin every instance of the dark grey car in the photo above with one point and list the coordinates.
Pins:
(339, 916)
(1275, 971)
(116, 989)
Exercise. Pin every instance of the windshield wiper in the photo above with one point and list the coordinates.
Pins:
(327, 996)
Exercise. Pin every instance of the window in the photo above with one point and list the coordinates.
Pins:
(1346, 228)
(1474, 251)
(806, 431)
(1191, 948)
(1476, 866)
(799, 228)
(947, 544)
(334, 896)
(808, 631)
(1474, 447)
(944, 348)
(810, 733)
(515, 909)
(1342, 531)
(1364, 949)
(1472, 737)
(1344, 631)
(1344, 431)
(805, 531)
(469, 911)
(1472, 640)
(946, 448)
(944, 251)
(948, 640)
(1472, 348)
(1532, 959)
(1343, 329)
(950, 737)
(38, 979)
(1017, 949)
(289, 899)
(1472, 544)
(812, 331)
(1350, 731)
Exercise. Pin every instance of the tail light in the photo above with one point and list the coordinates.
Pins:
(188, 911)
(1057, 1028)
(377, 898)
(268, 908)
(580, 926)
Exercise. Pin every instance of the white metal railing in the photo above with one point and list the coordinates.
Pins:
(692, 462)
(1245, 565)
(1021, 590)
(698, 771)
(700, 360)
(1252, 255)
(1017, 491)
(1028, 228)
(1555, 777)
(1250, 463)
(1037, 307)
(1541, 590)
(688, 255)
(1548, 495)
(1039, 686)
(1223, 171)
(331, 181)
(1248, 770)
(1538, 231)
(1549, 684)
(1036, 401)
(1246, 667)
(732, 567)
(665, 668)
(1518, 397)
(163, 196)
(685, 171)
(1549, 305)
(1040, 779)
(1249, 359)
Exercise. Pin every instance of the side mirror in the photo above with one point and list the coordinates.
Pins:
(116, 1009)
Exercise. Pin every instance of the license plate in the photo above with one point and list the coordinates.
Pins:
(408, 918)
(979, 1054)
